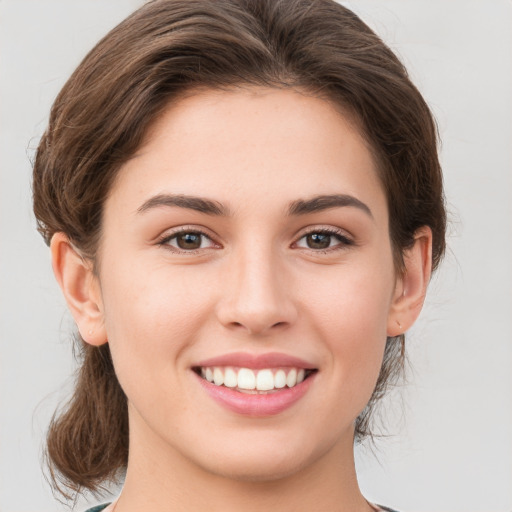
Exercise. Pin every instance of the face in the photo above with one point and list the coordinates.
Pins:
(247, 282)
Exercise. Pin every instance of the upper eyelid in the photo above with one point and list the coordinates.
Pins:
(345, 239)
(170, 232)
(164, 241)
(332, 230)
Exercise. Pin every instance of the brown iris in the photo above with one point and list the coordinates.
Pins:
(318, 240)
(189, 241)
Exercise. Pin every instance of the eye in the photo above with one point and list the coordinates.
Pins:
(323, 239)
(187, 241)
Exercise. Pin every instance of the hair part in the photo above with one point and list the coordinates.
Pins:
(169, 48)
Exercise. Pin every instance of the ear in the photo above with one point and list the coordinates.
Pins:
(411, 286)
(80, 288)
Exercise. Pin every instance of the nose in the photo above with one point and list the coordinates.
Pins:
(256, 295)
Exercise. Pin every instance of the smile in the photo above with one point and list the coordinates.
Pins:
(247, 380)
(255, 385)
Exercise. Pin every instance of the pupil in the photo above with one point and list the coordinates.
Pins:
(318, 241)
(189, 241)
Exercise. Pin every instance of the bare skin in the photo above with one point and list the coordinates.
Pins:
(262, 268)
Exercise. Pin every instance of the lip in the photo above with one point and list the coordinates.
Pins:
(257, 361)
(256, 405)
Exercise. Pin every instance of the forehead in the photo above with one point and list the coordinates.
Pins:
(252, 144)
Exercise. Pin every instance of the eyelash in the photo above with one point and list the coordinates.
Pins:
(343, 239)
(341, 236)
(165, 239)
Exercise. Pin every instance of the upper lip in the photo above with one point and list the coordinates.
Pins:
(257, 361)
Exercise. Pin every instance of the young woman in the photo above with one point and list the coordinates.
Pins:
(244, 205)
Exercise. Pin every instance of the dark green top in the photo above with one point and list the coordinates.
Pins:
(102, 507)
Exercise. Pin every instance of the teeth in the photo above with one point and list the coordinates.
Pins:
(291, 378)
(248, 380)
(230, 378)
(218, 377)
(280, 379)
(265, 380)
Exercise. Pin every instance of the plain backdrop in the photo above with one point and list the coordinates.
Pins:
(450, 426)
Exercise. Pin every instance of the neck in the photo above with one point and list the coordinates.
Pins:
(160, 479)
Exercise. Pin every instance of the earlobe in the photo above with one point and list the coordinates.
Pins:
(411, 287)
(80, 288)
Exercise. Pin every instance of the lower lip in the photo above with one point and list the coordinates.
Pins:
(266, 404)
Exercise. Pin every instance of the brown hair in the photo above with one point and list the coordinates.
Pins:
(170, 47)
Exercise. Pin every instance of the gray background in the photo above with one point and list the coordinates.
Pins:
(451, 448)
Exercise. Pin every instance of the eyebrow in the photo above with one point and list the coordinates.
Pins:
(325, 202)
(198, 204)
(210, 207)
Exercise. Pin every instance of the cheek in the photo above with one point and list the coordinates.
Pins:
(352, 319)
(151, 318)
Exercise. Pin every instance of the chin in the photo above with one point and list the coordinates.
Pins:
(244, 469)
(265, 459)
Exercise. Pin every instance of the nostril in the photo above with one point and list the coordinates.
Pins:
(242, 325)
